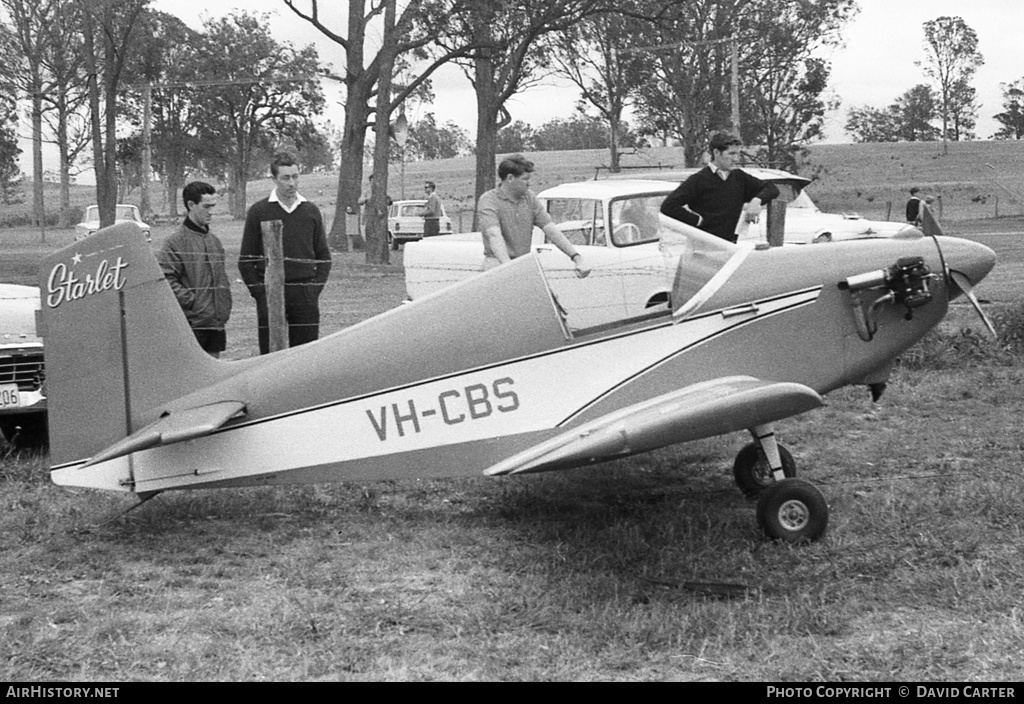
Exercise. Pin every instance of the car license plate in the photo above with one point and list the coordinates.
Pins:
(9, 397)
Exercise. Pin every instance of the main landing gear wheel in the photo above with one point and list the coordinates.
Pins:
(751, 470)
(793, 511)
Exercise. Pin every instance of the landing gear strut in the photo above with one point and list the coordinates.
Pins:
(788, 509)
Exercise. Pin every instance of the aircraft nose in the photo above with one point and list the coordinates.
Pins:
(967, 258)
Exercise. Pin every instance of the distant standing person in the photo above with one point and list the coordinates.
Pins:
(192, 259)
(307, 258)
(432, 211)
(507, 214)
(716, 197)
(914, 207)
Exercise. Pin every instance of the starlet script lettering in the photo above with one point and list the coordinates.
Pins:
(65, 285)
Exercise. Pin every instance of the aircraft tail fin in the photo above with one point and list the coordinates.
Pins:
(117, 343)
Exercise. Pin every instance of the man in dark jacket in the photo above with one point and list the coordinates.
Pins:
(307, 258)
(193, 262)
(715, 198)
(914, 207)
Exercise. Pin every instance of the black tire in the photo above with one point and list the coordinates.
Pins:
(393, 242)
(27, 431)
(792, 511)
(751, 470)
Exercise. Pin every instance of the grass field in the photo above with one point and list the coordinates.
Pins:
(644, 569)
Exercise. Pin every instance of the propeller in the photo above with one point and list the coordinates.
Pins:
(931, 228)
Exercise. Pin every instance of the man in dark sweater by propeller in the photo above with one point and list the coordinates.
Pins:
(307, 257)
(716, 197)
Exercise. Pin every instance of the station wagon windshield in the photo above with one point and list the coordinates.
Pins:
(634, 219)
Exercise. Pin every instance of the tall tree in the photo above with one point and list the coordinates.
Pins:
(510, 59)
(914, 112)
(590, 54)
(951, 59)
(254, 92)
(963, 111)
(66, 118)
(428, 141)
(26, 44)
(170, 63)
(688, 93)
(780, 82)
(868, 124)
(908, 119)
(1012, 116)
(782, 79)
(10, 174)
(109, 27)
(415, 27)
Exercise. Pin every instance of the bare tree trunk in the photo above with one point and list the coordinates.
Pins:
(38, 206)
(350, 174)
(377, 213)
(65, 168)
(487, 108)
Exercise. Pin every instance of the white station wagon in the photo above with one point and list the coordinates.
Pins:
(617, 225)
(125, 213)
(405, 222)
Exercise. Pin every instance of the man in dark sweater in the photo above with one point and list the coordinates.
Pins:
(716, 197)
(307, 257)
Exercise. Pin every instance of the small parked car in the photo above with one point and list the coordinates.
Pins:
(405, 222)
(125, 213)
(23, 420)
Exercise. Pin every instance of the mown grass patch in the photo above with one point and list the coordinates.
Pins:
(649, 568)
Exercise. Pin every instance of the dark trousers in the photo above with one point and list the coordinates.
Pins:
(301, 311)
(431, 227)
(212, 341)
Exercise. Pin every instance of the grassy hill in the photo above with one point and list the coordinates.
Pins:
(971, 180)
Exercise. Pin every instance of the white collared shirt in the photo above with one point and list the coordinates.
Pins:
(721, 173)
(298, 199)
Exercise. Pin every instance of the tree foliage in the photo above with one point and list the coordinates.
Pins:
(781, 79)
(429, 141)
(253, 93)
(109, 30)
(908, 119)
(508, 58)
(1012, 116)
(10, 174)
(952, 58)
(594, 56)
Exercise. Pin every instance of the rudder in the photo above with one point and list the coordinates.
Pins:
(116, 342)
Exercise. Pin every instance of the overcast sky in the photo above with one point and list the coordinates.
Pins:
(875, 65)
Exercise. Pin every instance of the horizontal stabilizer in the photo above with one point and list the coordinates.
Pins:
(702, 410)
(175, 427)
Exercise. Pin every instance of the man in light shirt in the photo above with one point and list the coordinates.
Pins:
(507, 214)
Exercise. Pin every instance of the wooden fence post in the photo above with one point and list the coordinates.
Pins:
(776, 226)
(273, 249)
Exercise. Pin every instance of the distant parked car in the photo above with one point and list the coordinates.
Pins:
(405, 222)
(125, 213)
(22, 393)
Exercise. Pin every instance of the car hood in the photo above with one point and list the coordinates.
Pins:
(810, 225)
(18, 306)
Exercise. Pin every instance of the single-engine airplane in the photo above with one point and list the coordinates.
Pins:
(485, 375)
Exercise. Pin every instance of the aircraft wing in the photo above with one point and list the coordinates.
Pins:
(175, 427)
(702, 410)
